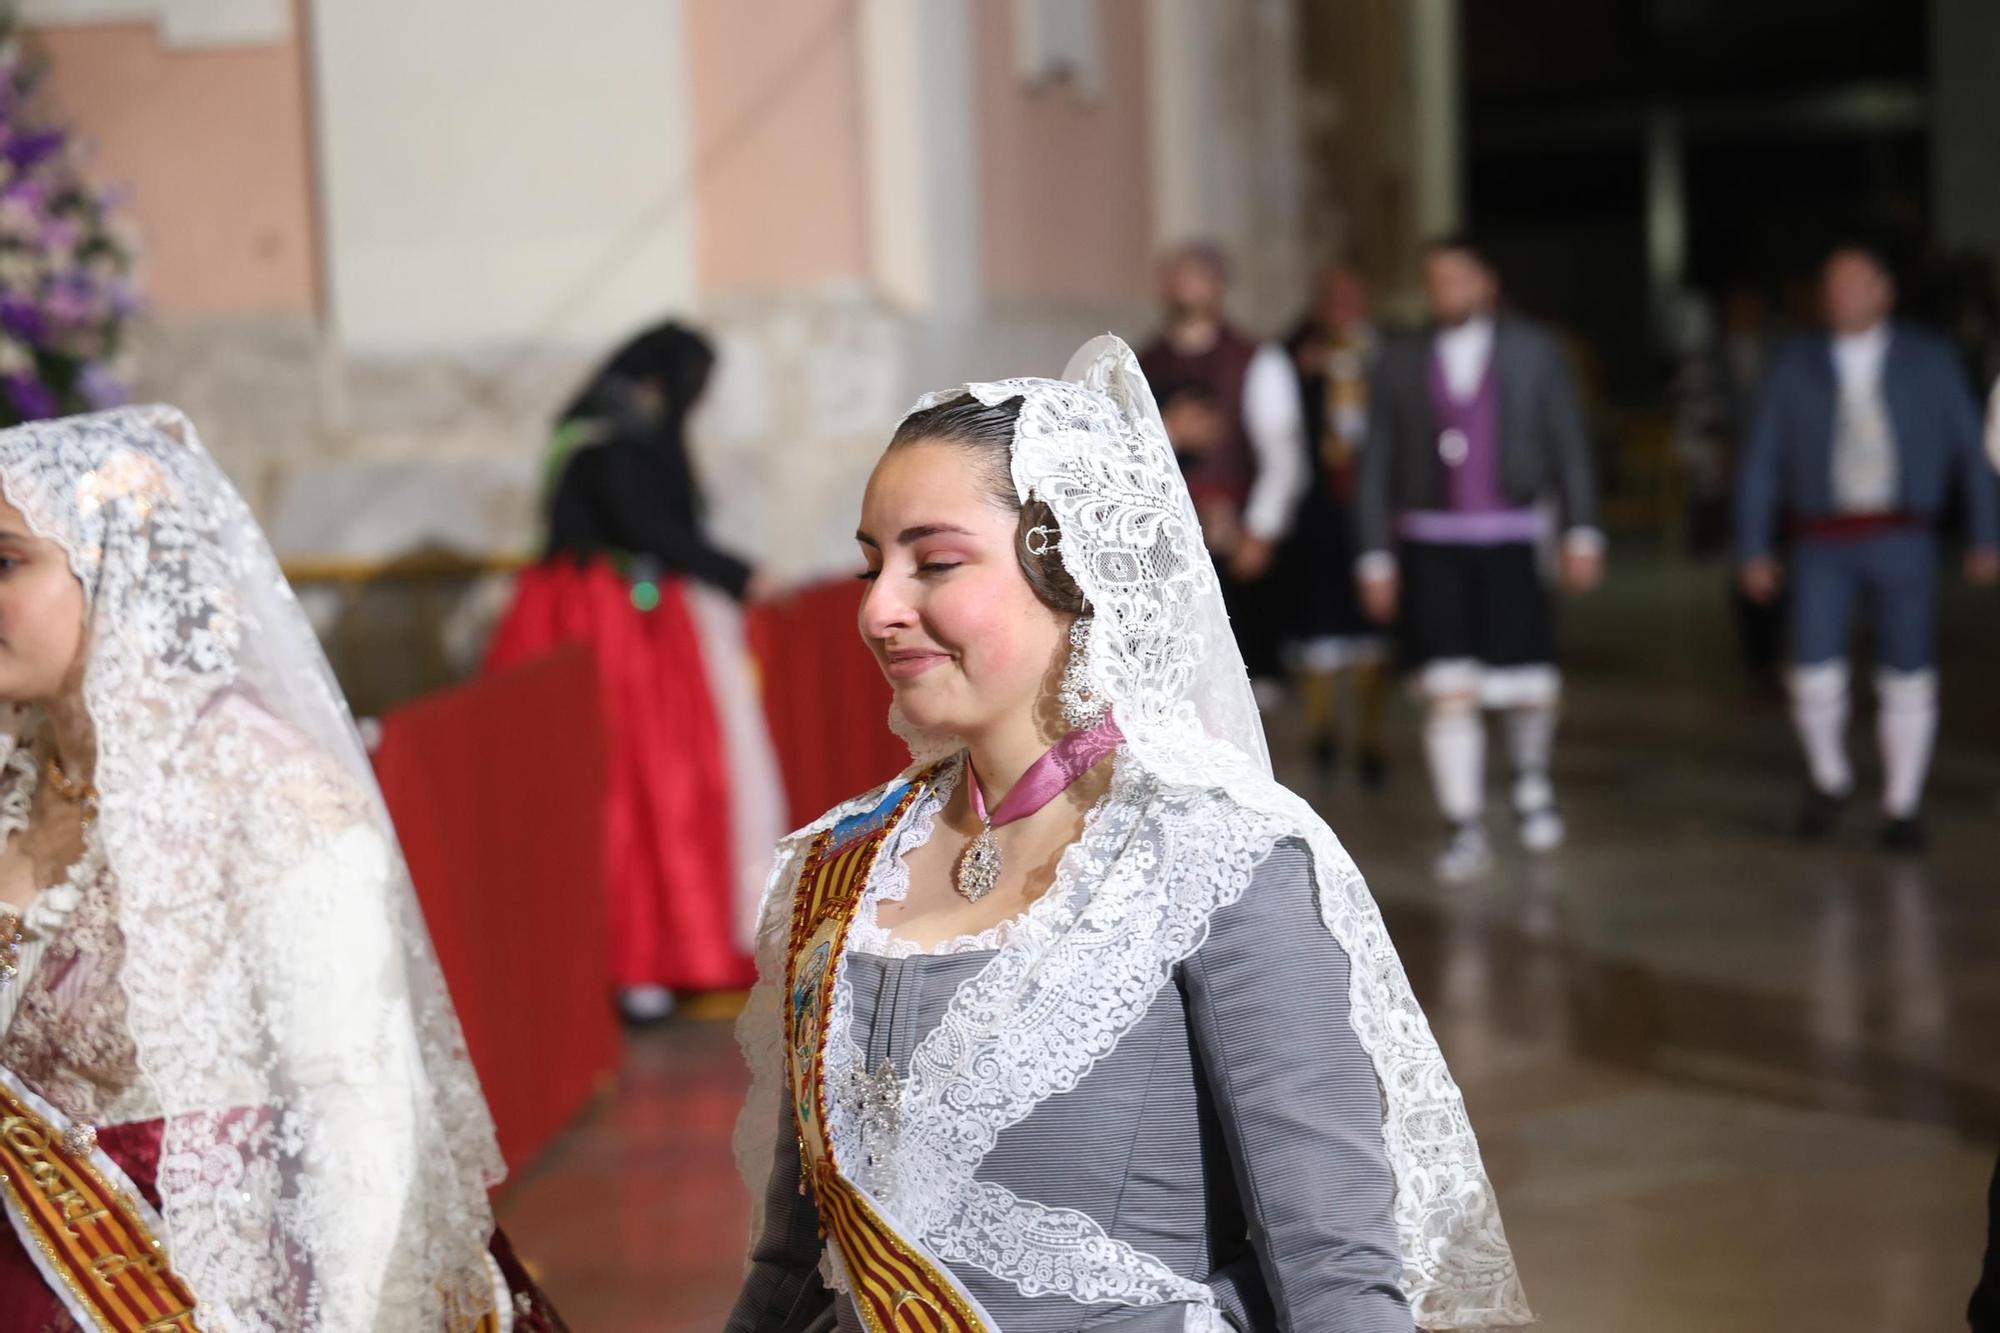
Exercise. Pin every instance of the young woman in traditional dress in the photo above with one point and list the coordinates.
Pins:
(233, 1092)
(1084, 1021)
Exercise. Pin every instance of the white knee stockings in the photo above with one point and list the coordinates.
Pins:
(1819, 711)
(1455, 748)
(1906, 728)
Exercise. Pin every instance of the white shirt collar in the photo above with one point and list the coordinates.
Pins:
(1858, 357)
(1465, 349)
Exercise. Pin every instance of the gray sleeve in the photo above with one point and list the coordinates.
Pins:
(1975, 477)
(1576, 473)
(1299, 1104)
(782, 1291)
(1376, 471)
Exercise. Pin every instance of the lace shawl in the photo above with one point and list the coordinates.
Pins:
(326, 1152)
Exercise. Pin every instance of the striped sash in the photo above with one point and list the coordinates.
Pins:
(898, 1286)
(83, 1222)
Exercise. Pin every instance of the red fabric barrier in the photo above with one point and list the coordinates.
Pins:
(668, 835)
(825, 698)
(497, 788)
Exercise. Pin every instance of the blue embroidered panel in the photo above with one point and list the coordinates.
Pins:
(858, 826)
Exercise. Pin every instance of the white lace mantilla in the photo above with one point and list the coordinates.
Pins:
(326, 1154)
(1192, 811)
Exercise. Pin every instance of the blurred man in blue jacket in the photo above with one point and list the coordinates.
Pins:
(1861, 435)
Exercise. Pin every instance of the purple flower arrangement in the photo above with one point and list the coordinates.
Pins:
(67, 256)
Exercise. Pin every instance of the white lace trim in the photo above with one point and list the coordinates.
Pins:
(891, 884)
(44, 918)
(54, 905)
(1054, 999)
(760, 1029)
(1207, 1319)
(50, 912)
(19, 775)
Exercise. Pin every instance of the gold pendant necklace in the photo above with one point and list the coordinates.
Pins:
(75, 793)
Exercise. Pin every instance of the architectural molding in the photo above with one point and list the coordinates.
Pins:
(1180, 109)
(921, 151)
(1438, 86)
(182, 24)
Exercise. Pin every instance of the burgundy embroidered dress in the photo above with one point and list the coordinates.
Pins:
(235, 1091)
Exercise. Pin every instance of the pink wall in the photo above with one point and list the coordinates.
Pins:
(780, 196)
(213, 147)
(1065, 191)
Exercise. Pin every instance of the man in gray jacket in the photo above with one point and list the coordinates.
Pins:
(1473, 427)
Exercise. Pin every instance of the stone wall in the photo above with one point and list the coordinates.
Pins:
(374, 459)
(807, 390)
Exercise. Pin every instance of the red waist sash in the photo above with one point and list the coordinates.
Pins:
(1849, 527)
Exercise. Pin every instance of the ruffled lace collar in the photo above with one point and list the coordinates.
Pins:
(54, 905)
(18, 776)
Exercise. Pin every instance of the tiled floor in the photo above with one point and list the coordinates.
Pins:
(1723, 1082)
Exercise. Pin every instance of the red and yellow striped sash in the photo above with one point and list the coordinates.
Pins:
(84, 1224)
(898, 1287)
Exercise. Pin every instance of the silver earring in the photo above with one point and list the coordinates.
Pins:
(1081, 706)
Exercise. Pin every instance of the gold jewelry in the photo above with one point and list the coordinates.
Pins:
(11, 939)
(76, 793)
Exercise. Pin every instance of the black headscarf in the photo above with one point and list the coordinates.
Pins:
(670, 358)
(631, 489)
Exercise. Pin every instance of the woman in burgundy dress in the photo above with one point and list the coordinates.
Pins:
(233, 1091)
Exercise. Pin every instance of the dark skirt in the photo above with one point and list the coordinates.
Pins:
(1315, 575)
(1486, 604)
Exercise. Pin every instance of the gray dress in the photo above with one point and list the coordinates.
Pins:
(1235, 1133)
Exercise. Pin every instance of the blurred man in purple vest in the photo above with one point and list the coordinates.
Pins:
(1231, 406)
(1473, 429)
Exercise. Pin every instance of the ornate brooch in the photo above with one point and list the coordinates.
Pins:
(979, 867)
